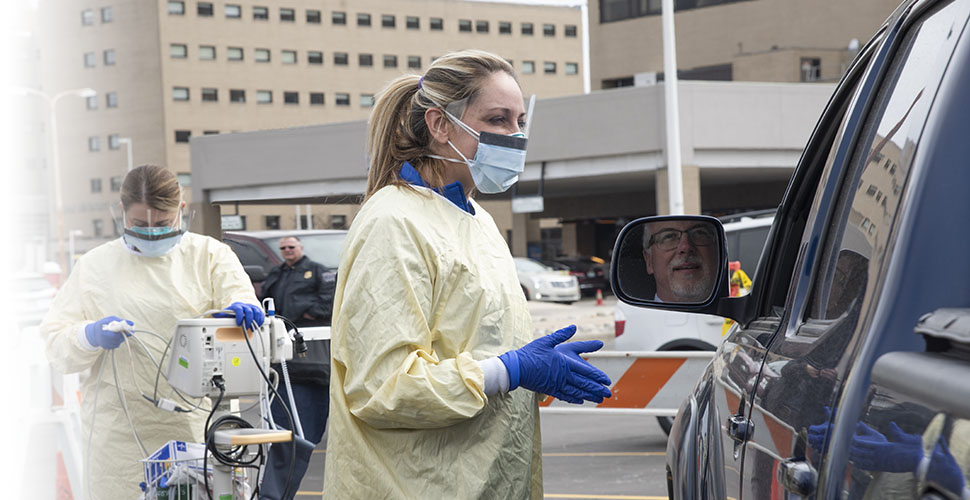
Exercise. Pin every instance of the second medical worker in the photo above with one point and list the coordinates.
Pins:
(154, 275)
(434, 379)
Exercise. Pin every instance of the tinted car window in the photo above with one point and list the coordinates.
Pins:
(887, 149)
(321, 248)
(249, 255)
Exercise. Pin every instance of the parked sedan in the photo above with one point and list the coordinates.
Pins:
(593, 273)
(540, 282)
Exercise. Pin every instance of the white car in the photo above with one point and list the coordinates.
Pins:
(643, 329)
(540, 282)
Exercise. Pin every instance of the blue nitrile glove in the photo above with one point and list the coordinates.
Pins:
(548, 366)
(818, 434)
(246, 314)
(870, 450)
(944, 469)
(99, 336)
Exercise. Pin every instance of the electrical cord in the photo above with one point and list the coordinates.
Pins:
(233, 457)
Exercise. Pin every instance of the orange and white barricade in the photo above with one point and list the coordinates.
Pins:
(649, 383)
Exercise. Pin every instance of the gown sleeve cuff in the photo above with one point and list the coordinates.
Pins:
(496, 376)
(82, 339)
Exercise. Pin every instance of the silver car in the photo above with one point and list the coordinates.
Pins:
(540, 282)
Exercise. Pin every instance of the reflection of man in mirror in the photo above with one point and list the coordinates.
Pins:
(682, 257)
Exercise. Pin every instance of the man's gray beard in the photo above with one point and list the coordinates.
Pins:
(695, 291)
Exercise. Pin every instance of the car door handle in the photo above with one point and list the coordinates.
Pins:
(798, 477)
(739, 428)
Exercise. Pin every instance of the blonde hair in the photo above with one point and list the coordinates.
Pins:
(152, 185)
(397, 132)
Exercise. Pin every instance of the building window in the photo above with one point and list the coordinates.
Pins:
(94, 143)
(107, 15)
(204, 132)
(204, 9)
(178, 51)
(572, 68)
(97, 225)
(264, 97)
(89, 59)
(290, 97)
(549, 68)
(390, 61)
(313, 16)
(365, 60)
(272, 221)
(338, 221)
(412, 22)
(527, 29)
(342, 99)
(314, 57)
(570, 31)
(340, 58)
(210, 94)
(237, 95)
(260, 13)
(465, 25)
(109, 57)
(528, 67)
(481, 26)
(207, 52)
(182, 136)
(233, 11)
(316, 98)
(116, 184)
(111, 100)
(388, 21)
(367, 100)
(87, 16)
(505, 28)
(549, 30)
(96, 186)
(288, 57)
(176, 8)
(114, 141)
(436, 24)
(287, 15)
(811, 69)
(234, 53)
(261, 55)
(180, 93)
(363, 19)
(414, 62)
(92, 102)
(338, 18)
(613, 83)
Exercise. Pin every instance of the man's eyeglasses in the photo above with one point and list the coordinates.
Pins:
(668, 239)
(291, 247)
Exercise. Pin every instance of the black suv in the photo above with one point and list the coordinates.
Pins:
(850, 374)
(259, 253)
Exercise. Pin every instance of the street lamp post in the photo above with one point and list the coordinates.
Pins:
(70, 246)
(55, 157)
(127, 142)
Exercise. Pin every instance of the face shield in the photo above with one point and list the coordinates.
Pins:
(148, 232)
(457, 108)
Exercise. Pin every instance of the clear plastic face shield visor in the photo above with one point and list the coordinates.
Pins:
(457, 108)
(150, 232)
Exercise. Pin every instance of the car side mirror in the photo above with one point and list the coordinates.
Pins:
(671, 262)
(256, 273)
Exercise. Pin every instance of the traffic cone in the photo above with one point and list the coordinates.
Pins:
(599, 296)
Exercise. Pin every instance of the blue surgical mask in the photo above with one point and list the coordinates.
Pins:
(153, 241)
(498, 160)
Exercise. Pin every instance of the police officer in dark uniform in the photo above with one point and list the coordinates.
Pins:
(302, 291)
